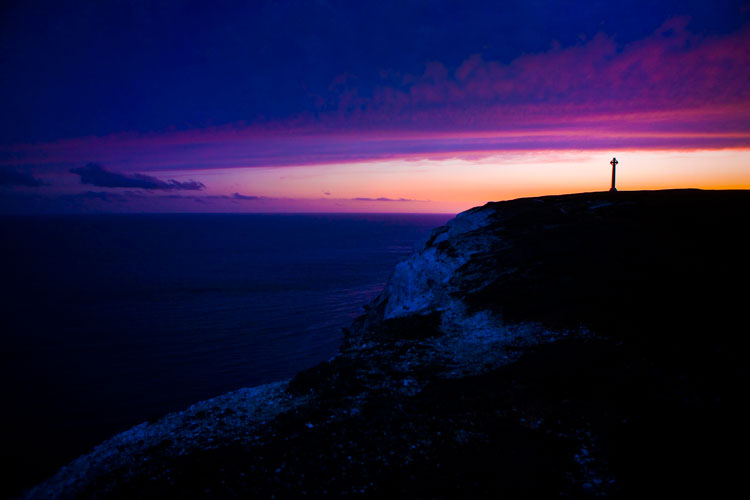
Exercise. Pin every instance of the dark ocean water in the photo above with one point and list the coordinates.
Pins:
(110, 320)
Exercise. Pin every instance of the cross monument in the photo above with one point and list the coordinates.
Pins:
(614, 163)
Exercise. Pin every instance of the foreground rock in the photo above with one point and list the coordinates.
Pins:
(574, 346)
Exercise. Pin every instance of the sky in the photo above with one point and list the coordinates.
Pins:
(367, 106)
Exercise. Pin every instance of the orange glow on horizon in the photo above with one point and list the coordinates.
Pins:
(455, 184)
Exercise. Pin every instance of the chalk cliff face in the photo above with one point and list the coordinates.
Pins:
(425, 299)
(574, 346)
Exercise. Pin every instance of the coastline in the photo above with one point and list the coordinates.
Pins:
(447, 376)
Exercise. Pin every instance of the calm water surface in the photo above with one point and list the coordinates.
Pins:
(111, 320)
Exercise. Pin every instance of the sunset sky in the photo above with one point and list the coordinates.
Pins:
(386, 106)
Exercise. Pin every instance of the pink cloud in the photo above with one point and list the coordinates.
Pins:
(673, 70)
(672, 90)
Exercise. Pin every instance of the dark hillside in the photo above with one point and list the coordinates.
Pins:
(581, 345)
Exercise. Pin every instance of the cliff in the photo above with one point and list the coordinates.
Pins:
(579, 345)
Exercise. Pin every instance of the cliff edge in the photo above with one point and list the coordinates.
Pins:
(580, 345)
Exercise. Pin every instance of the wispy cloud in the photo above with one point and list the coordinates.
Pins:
(96, 175)
(107, 197)
(673, 89)
(382, 199)
(238, 196)
(669, 85)
(13, 177)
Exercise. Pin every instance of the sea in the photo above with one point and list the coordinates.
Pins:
(108, 321)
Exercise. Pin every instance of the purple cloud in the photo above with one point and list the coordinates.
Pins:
(673, 89)
(12, 177)
(238, 196)
(381, 199)
(95, 195)
(96, 175)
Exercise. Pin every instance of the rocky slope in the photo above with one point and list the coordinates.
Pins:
(575, 346)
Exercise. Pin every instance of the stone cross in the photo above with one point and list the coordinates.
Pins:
(614, 163)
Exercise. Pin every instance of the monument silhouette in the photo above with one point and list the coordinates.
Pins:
(614, 163)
